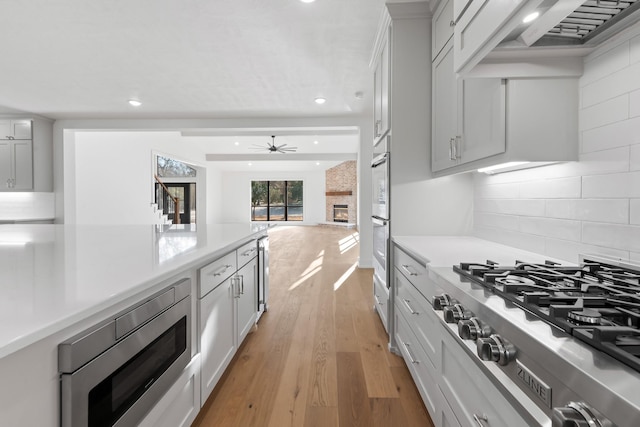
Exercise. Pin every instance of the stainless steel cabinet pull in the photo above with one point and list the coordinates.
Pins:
(411, 356)
(377, 299)
(378, 123)
(406, 267)
(221, 270)
(456, 147)
(241, 284)
(451, 153)
(249, 252)
(411, 310)
(235, 286)
(481, 420)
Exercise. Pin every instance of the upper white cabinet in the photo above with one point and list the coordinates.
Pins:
(442, 26)
(482, 25)
(16, 155)
(381, 90)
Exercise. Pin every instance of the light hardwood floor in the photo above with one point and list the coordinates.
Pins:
(319, 355)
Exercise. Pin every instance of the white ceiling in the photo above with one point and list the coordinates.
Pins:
(197, 59)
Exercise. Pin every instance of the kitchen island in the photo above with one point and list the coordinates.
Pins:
(57, 280)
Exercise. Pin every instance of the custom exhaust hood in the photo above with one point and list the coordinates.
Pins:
(574, 23)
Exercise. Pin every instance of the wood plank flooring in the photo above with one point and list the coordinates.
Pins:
(319, 356)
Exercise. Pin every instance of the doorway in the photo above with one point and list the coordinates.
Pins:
(185, 193)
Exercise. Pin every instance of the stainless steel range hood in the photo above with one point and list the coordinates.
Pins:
(574, 23)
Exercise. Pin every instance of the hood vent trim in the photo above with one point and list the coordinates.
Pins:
(592, 22)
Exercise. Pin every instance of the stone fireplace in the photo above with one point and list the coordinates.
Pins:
(341, 193)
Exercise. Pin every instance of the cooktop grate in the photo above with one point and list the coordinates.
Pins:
(590, 19)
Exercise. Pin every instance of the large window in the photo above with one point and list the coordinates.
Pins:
(276, 200)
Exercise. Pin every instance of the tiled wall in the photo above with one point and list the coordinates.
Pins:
(343, 177)
(589, 206)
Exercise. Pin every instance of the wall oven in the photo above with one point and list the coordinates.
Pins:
(380, 193)
(115, 372)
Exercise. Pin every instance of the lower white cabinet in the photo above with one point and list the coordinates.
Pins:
(246, 299)
(227, 312)
(217, 334)
(181, 403)
(381, 301)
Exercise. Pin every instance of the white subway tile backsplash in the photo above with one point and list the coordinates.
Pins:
(621, 237)
(634, 211)
(524, 241)
(528, 207)
(607, 112)
(571, 251)
(564, 188)
(634, 50)
(497, 191)
(634, 257)
(634, 104)
(550, 227)
(619, 83)
(619, 134)
(605, 161)
(503, 222)
(634, 158)
(602, 64)
(598, 210)
(619, 185)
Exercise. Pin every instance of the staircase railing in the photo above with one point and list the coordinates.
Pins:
(175, 200)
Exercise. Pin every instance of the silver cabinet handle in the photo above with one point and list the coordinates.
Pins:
(481, 420)
(249, 252)
(406, 267)
(456, 147)
(451, 149)
(378, 125)
(236, 287)
(377, 299)
(241, 284)
(411, 310)
(411, 356)
(221, 270)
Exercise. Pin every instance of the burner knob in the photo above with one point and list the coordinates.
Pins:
(578, 414)
(472, 329)
(456, 312)
(495, 349)
(441, 301)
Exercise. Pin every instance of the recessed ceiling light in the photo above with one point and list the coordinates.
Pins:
(307, 1)
(135, 102)
(236, 143)
(317, 163)
(315, 142)
(249, 164)
(320, 100)
(531, 17)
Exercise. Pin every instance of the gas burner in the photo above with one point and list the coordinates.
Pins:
(586, 316)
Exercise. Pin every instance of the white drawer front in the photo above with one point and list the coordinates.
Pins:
(247, 252)
(381, 301)
(215, 273)
(414, 271)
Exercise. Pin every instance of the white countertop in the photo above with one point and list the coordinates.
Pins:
(53, 276)
(445, 251)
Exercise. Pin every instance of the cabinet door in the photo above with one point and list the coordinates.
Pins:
(444, 110)
(15, 129)
(381, 92)
(442, 28)
(483, 119)
(246, 298)
(381, 301)
(6, 172)
(217, 337)
(23, 164)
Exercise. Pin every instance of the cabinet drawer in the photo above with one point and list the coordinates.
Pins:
(422, 372)
(413, 270)
(478, 398)
(381, 301)
(247, 252)
(424, 323)
(215, 273)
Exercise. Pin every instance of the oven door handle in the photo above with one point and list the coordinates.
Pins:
(382, 158)
(379, 221)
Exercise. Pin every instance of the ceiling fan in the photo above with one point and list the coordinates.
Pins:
(273, 148)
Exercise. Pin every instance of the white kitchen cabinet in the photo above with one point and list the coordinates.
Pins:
(381, 301)
(246, 299)
(381, 90)
(482, 26)
(442, 27)
(15, 129)
(227, 310)
(181, 403)
(16, 164)
(468, 115)
(217, 334)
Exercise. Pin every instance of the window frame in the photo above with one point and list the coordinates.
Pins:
(286, 205)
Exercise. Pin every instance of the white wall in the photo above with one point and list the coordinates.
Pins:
(114, 176)
(236, 194)
(589, 206)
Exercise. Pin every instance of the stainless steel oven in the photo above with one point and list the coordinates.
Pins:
(380, 179)
(381, 250)
(115, 372)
